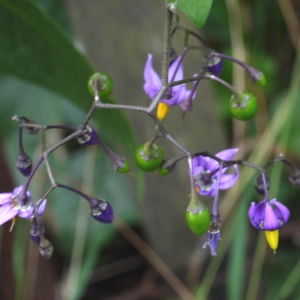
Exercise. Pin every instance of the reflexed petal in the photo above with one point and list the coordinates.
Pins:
(5, 198)
(253, 219)
(152, 80)
(178, 68)
(257, 213)
(228, 180)
(7, 212)
(42, 207)
(281, 211)
(271, 221)
(227, 154)
(17, 190)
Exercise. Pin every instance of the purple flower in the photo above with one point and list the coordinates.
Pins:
(12, 205)
(177, 94)
(206, 172)
(268, 215)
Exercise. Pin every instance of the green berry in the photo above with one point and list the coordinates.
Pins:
(103, 82)
(262, 81)
(125, 169)
(243, 106)
(149, 157)
(198, 218)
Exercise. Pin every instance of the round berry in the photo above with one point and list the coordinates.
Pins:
(198, 219)
(103, 82)
(125, 169)
(149, 157)
(243, 106)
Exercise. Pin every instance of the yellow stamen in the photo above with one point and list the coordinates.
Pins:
(272, 238)
(197, 189)
(14, 220)
(162, 110)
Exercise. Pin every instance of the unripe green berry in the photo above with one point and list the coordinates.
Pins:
(149, 157)
(102, 82)
(243, 106)
(198, 218)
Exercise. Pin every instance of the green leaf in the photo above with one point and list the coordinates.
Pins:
(196, 10)
(34, 48)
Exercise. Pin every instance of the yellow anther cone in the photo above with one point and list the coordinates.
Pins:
(272, 238)
(162, 110)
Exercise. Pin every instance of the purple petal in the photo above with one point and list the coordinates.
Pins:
(211, 192)
(174, 100)
(228, 180)
(42, 207)
(271, 221)
(227, 154)
(28, 213)
(256, 214)
(5, 198)
(203, 162)
(7, 213)
(177, 67)
(152, 80)
(281, 211)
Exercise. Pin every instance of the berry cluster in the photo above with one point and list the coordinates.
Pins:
(207, 172)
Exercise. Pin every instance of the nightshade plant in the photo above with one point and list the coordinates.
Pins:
(208, 173)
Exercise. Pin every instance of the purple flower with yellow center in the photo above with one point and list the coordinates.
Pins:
(206, 171)
(269, 215)
(175, 95)
(13, 205)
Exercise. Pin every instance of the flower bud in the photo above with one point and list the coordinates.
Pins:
(295, 177)
(89, 137)
(46, 248)
(24, 164)
(101, 210)
(259, 185)
(36, 232)
(30, 130)
(215, 65)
